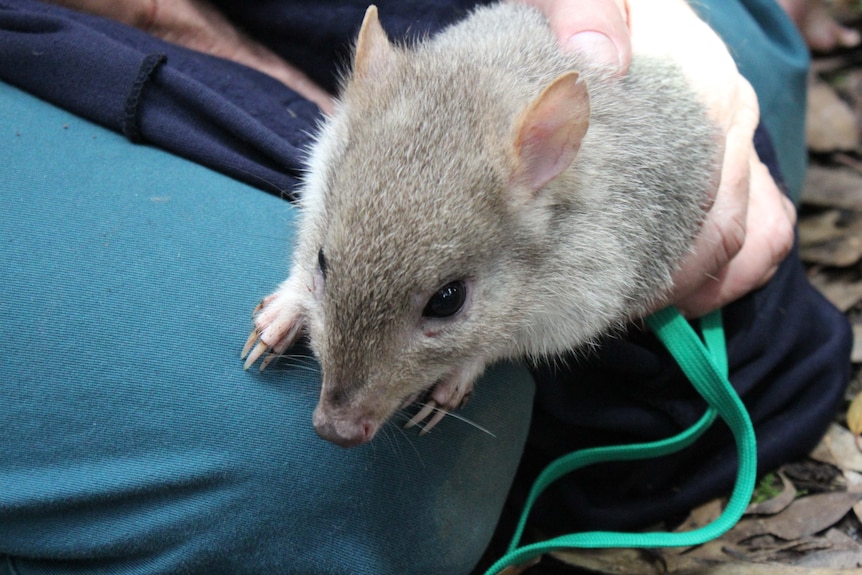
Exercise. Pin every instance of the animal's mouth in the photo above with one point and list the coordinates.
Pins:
(352, 431)
(415, 397)
(420, 397)
(428, 407)
(355, 427)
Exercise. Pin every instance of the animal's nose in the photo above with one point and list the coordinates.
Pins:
(343, 432)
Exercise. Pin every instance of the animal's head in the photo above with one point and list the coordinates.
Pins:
(418, 233)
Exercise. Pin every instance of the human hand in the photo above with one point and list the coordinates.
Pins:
(197, 25)
(598, 28)
(748, 230)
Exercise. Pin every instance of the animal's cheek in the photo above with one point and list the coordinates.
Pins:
(419, 366)
(317, 284)
(445, 332)
(315, 328)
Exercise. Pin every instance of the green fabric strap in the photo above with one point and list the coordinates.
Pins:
(704, 362)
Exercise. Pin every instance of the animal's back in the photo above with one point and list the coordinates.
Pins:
(615, 224)
(627, 210)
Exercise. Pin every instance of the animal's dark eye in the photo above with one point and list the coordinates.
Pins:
(321, 262)
(448, 300)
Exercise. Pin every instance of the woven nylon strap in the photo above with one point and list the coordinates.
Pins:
(704, 362)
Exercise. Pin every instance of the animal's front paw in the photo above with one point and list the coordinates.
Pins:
(449, 393)
(278, 323)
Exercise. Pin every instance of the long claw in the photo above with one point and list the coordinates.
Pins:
(426, 410)
(255, 354)
(257, 308)
(268, 360)
(441, 413)
(288, 340)
(249, 342)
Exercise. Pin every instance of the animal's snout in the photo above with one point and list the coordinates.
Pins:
(343, 432)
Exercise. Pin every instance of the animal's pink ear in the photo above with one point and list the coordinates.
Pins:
(373, 51)
(548, 133)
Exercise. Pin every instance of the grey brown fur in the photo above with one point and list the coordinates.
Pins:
(410, 186)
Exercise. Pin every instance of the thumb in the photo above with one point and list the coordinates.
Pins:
(597, 28)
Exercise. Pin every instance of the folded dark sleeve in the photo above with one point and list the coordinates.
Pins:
(209, 110)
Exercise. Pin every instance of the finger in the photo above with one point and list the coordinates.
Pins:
(137, 13)
(723, 231)
(670, 30)
(770, 233)
(257, 56)
(198, 25)
(597, 28)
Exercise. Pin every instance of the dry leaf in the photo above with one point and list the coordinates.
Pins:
(518, 569)
(838, 448)
(812, 514)
(840, 540)
(777, 551)
(830, 124)
(820, 228)
(843, 552)
(778, 503)
(856, 352)
(833, 559)
(853, 479)
(702, 515)
(722, 558)
(848, 84)
(612, 561)
(761, 569)
(857, 510)
(840, 291)
(840, 252)
(832, 188)
(833, 238)
(854, 412)
(805, 516)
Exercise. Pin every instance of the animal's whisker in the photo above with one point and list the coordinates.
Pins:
(390, 425)
(431, 407)
(295, 361)
(472, 423)
(285, 366)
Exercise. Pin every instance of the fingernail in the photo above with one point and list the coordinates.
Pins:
(597, 47)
